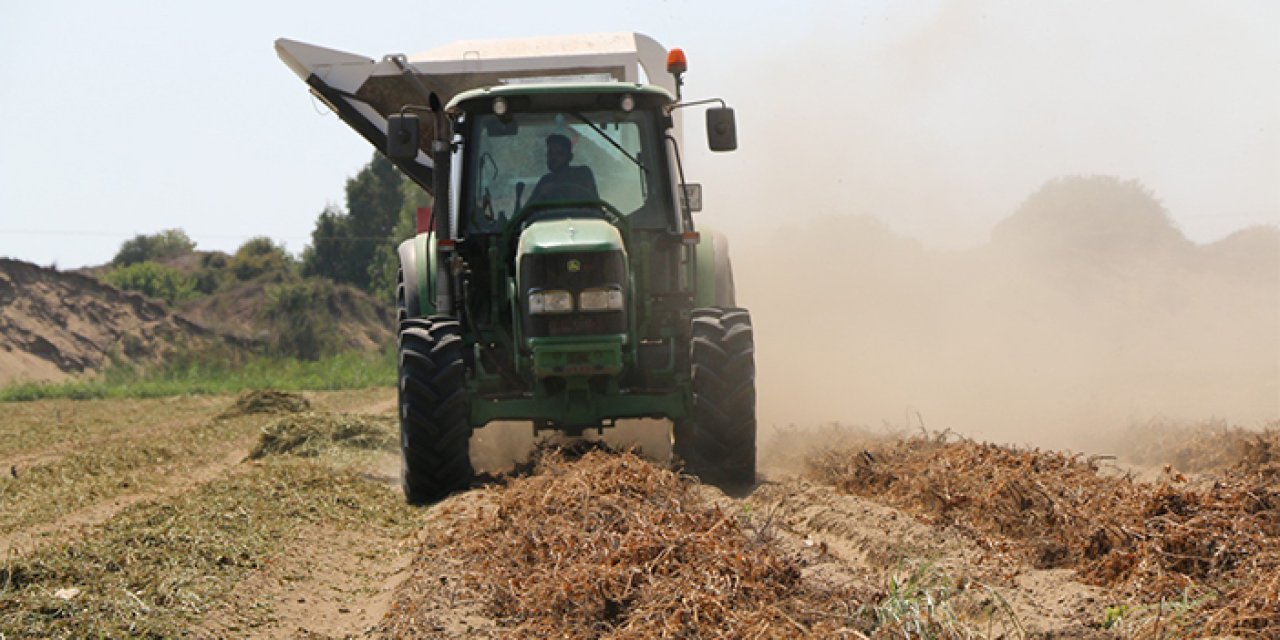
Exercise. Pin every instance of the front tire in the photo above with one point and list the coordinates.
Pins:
(719, 443)
(435, 433)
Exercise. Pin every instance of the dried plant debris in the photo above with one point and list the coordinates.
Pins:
(1203, 447)
(312, 434)
(267, 401)
(1151, 542)
(608, 545)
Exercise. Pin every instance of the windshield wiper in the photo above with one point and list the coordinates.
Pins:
(610, 140)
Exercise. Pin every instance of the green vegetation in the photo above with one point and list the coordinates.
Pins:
(921, 601)
(287, 313)
(143, 248)
(260, 256)
(139, 269)
(357, 246)
(298, 312)
(212, 373)
(154, 280)
(386, 263)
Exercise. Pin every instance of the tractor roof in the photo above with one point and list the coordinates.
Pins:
(529, 88)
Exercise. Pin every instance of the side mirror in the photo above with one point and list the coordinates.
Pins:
(403, 136)
(722, 133)
(692, 197)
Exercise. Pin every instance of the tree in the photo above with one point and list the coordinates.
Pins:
(154, 280)
(258, 256)
(382, 272)
(1089, 218)
(301, 324)
(344, 244)
(166, 244)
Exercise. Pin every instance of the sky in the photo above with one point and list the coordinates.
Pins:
(939, 118)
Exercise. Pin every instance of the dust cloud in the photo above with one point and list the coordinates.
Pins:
(1086, 312)
(1031, 222)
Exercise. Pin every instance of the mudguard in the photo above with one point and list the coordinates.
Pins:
(417, 264)
(714, 277)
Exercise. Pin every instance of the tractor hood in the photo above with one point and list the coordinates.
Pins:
(570, 235)
(363, 91)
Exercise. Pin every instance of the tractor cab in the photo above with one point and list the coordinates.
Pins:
(590, 148)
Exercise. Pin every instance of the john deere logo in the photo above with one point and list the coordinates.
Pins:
(574, 266)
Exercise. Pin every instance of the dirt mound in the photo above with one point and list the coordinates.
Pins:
(1151, 541)
(311, 434)
(267, 401)
(54, 324)
(606, 546)
(361, 321)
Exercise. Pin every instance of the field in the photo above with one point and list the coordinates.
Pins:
(279, 515)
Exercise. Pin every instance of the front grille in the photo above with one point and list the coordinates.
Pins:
(572, 272)
(578, 324)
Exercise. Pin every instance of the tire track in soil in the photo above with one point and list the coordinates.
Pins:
(325, 584)
(77, 524)
(328, 583)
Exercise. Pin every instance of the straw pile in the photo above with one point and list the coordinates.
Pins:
(266, 401)
(312, 434)
(1152, 542)
(608, 546)
(1198, 447)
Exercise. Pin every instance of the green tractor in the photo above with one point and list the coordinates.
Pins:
(558, 278)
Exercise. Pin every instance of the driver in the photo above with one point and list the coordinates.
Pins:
(563, 182)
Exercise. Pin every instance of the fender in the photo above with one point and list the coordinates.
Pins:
(417, 264)
(714, 277)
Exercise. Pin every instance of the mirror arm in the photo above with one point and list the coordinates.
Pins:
(681, 105)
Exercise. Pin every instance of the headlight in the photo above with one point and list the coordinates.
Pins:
(600, 300)
(551, 301)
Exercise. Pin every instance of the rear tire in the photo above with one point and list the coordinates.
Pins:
(435, 433)
(719, 443)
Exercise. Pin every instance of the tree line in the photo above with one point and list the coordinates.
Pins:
(354, 245)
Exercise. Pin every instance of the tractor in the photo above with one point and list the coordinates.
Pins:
(558, 278)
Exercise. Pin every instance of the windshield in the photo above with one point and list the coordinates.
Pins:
(571, 158)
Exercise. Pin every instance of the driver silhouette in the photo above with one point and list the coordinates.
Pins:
(563, 182)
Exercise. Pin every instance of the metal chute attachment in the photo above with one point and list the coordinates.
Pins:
(363, 91)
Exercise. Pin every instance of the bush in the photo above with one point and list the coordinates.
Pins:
(302, 323)
(259, 256)
(212, 272)
(154, 280)
(143, 248)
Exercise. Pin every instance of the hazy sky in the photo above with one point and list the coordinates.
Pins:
(939, 117)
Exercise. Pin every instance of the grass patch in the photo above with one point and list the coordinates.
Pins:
(210, 374)
(48, 491)
(155, 569)
(921, 601)
(55, 427)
